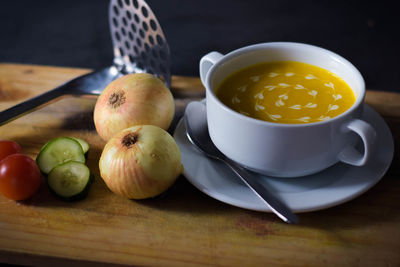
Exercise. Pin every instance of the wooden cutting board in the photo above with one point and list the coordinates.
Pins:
(183, 227)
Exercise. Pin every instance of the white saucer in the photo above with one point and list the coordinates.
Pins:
(333, 186)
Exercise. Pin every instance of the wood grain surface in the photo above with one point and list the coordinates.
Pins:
(183, 227)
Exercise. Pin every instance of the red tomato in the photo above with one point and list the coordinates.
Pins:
(8, 147)
(20, 177)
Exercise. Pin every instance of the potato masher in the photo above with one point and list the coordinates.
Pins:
(139, 46)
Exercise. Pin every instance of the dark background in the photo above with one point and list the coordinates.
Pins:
(76, 33)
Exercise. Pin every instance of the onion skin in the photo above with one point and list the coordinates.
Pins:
(133, 99)
(145, 168)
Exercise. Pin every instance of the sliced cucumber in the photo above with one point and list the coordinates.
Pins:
(83, 143)
(58, 151)
(70, 180)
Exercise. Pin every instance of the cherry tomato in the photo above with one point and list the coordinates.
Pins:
(20, 177)
(8, 147)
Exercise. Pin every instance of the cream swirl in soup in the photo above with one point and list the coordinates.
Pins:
(286, 92)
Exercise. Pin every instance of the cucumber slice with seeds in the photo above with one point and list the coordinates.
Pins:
(70, 180)
(58, 151)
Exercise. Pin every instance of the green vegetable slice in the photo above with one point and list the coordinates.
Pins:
(70, 181)
(83, 143)
(58, 151)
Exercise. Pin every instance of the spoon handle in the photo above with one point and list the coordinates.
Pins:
(276, 205)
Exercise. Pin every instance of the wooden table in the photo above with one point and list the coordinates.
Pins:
(184, 227)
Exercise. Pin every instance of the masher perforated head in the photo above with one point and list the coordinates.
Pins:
(138, 40)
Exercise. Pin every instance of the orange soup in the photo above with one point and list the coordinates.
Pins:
(286, 92)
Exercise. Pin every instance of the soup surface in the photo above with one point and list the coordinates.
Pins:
(286, 92)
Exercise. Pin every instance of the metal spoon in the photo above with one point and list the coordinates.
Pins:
(139, 46)
(197, 132)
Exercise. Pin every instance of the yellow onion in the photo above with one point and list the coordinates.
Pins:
(140, 162)
(133, 99)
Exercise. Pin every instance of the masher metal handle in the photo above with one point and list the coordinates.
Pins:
(89, 84)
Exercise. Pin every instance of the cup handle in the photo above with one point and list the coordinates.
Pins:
(368, 135)
(206, 62)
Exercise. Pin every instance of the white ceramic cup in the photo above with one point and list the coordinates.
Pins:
(286, 150)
